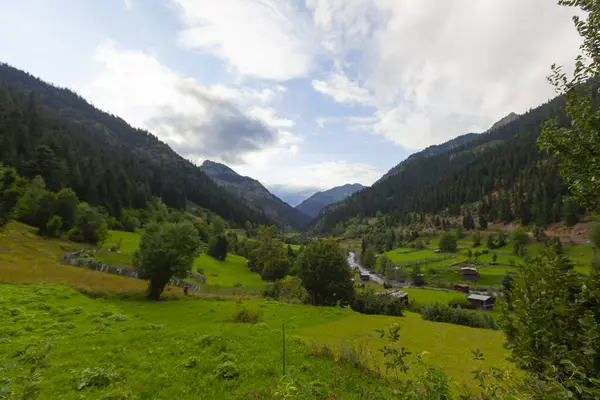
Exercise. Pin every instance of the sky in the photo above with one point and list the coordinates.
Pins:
(302, 95)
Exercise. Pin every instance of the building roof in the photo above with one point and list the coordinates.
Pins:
(479, 297)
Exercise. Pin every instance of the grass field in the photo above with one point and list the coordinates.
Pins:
(27, 258)
(229, 273)
(428, 296)
(186, 349)
(439, 271)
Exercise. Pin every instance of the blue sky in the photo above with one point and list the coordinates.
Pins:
(300, 94)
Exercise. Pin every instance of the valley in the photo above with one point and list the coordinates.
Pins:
(290, 207)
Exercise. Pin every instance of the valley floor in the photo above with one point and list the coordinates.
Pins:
(116, 345)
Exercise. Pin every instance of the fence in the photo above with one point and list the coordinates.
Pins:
(91, 263)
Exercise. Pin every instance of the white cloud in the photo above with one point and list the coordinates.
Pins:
(198, 121)
(439, 69)
(258, 38)
(342, 89)
(299, 174)
(268, 115)
(128, 4)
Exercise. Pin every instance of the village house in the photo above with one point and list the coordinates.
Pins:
(365, 276)
(469, 273)
(462, 287)
(482, 302)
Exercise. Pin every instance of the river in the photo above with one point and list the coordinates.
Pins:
(374, 277)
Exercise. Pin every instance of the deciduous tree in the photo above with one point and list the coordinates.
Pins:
(325, 273)
(166, 250)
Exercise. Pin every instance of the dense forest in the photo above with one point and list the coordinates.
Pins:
(500, 175)
(54, 133)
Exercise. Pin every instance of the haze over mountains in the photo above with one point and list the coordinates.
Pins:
(256, 194)
(315, 203)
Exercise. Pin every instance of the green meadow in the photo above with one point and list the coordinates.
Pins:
(107, 342)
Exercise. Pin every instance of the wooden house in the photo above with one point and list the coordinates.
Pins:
(469, 273)
(462, 287)
(482, 302)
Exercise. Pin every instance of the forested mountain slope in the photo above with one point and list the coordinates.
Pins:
(315, 203)
(256, 194)
(502, 170)
(53, 132)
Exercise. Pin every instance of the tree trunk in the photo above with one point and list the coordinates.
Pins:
(155, 289)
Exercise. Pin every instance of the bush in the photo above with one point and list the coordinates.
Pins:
(367, 302)
(97, 377)
(226, 370)
(289, 288)
(448, 242)
(444, 313)
(53, 226)
(461, 302)
(245, 315)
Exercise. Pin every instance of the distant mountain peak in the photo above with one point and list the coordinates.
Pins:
(255, 193)
(315, 203)
(503, 121)
(217, 167)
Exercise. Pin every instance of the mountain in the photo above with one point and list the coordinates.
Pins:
(292, 196)
(256, 194)
(53, 132)
(315, 203)
(509, 118)
(451, 144)
(499, 174)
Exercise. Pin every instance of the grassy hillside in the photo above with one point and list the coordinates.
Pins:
(440, 269)
(229, 273)
(27, 258)
(156, 350)
(180, 349)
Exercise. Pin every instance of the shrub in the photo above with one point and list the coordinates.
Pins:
(461, 302)
(226, 370)
(53, 226)
(444, 313)
(245, 315)
(97, 377)
(367, 302)
(448, 242)
(290, 288)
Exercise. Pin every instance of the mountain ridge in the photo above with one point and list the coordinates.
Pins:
(500, 171)
(251, 190)
(63, 138)
(313, 205)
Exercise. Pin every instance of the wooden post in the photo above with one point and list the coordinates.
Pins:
(283, 344)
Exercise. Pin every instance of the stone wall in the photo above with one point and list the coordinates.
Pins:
(77, 260)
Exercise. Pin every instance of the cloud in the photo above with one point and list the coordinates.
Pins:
(305, 175)
(198, 121)
(435, 70)
(342, 89)
(259, 38)
(269, 116)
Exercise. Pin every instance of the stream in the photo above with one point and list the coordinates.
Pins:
(374, 277)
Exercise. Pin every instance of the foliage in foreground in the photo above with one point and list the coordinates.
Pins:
(553, 330)
(577, 145)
